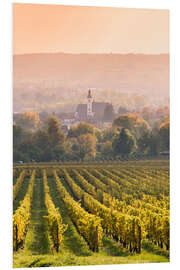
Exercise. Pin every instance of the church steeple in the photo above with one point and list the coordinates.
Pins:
(89, 94)
(89, 104)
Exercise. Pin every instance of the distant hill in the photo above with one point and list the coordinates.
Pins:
(58, 77)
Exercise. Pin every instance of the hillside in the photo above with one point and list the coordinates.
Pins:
(55, 79)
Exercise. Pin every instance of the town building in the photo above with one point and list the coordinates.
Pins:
(92, 111)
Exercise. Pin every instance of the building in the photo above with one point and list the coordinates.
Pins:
(92, 111)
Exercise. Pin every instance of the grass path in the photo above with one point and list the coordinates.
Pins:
(109, 248)
(37, 239)
(72, 242)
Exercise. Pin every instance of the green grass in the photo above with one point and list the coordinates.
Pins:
(69, 259)
(37, 239)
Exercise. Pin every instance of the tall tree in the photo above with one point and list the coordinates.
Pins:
(56, 136)
(87, 146)
(164, 134)
(17, 134)
(123, 143)
(149, 143)
(41, 139)
(143, 143)
(126, 121)
(134, 122)
(154, 144)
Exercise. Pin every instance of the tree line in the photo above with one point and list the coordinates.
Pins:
(130, 135)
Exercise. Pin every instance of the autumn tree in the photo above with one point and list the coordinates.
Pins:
(164, 134)
(109, 133)
(56, 136)
(86, 146)
(133, 122)
(71, 147)
(141, 127)
(98, 134)
(28, 120)
(17, 134)
(41, 139)
(149, 143)
(127, 121)
(29, 151)
(106, 149)
(80, 129)
(143, 143)
(123, 143)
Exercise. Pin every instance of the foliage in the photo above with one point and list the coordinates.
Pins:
(22, 215)
(149, 143)
(164, 134)
(87, 146)
(109, 133)
(41, 139)
(127, 121)
(130, 203)
(81, 129)
(106, 149)
(55, 225)
(85, 142)
(17, 134)
(134, 122)
(29, 120)
(88, 225)
(55, 135)
(17, 186)
(124, 143)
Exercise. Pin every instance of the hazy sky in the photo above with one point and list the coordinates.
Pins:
(56, 28)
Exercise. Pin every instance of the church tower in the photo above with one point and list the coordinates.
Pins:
(89, 105)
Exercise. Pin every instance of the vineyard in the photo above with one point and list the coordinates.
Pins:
(70, 214)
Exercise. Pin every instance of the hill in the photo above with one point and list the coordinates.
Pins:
(58, 79)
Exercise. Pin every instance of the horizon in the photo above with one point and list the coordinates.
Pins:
(77, 47)
(149, 54)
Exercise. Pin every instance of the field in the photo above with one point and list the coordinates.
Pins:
(90, 214)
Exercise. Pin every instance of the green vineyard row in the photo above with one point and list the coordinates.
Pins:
(127, 204)
(22, 215)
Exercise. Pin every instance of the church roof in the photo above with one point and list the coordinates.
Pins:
(82, 111)
(97, 108)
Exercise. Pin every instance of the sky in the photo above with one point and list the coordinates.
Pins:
(41, 28)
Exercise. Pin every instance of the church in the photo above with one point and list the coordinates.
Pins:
(92, 111)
